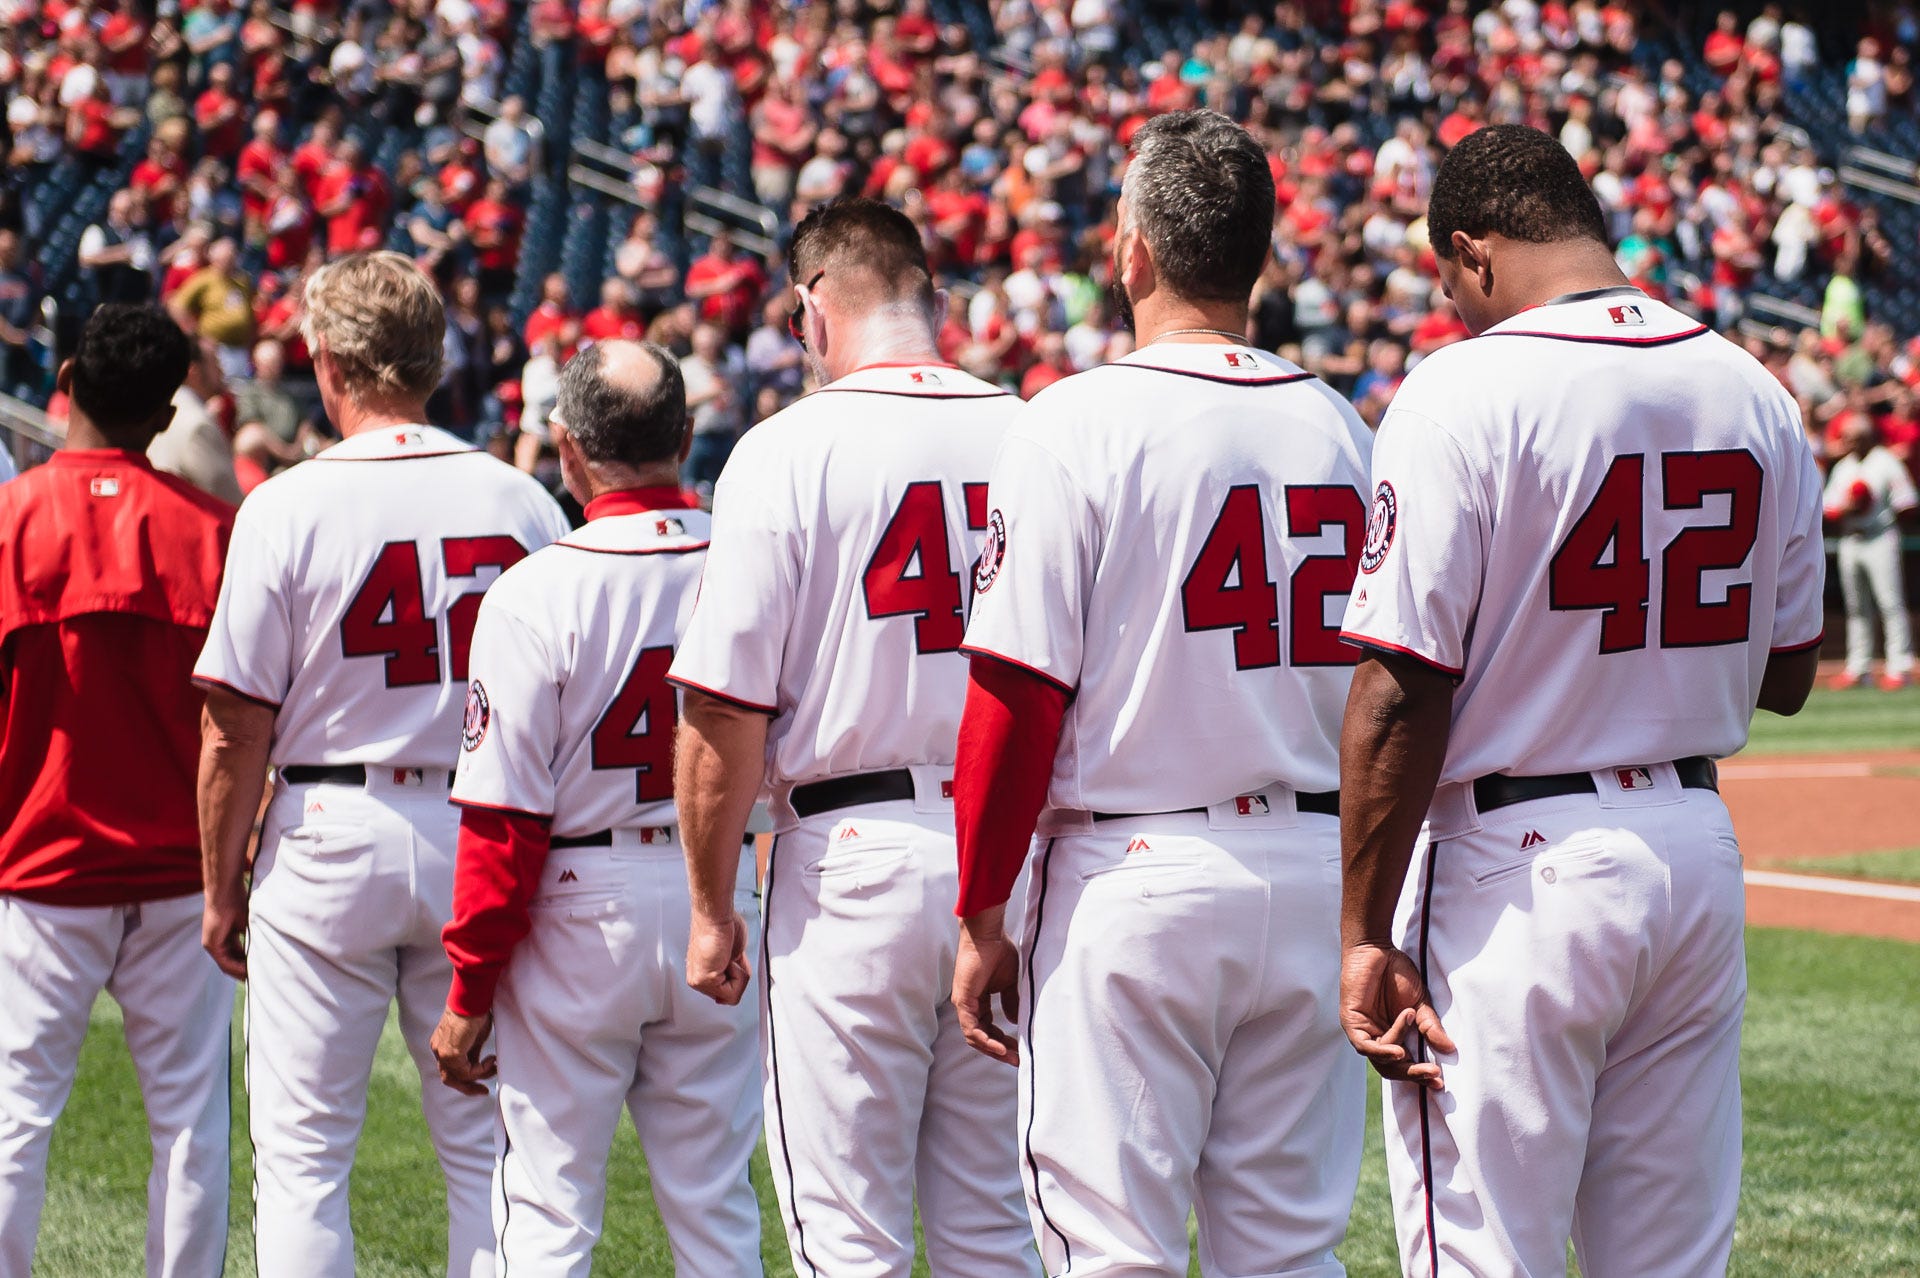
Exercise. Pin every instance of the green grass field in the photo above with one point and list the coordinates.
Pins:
(1832, 1166)
(1858, 719)
(1902, 866)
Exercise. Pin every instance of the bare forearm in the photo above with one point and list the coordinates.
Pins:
(1391, 750)
(719, 764)
(233, 776)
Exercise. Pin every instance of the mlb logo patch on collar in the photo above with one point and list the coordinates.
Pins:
(1634, 778)
(925, 377)
(1627, 316)
(1240, 359)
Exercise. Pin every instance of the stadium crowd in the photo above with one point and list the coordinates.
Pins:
(1007, 157)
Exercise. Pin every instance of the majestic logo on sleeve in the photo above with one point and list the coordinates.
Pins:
(987, 571)
(1380, 526)
(473, 729)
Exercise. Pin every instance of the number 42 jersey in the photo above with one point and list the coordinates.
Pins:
(352, 587)
(845, 532)
(1600, 518)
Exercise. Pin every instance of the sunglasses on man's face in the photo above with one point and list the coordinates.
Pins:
(797, 317)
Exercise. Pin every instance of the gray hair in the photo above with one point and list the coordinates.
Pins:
(616, 420)
(1201, 193)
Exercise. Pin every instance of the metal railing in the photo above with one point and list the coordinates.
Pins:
(28, 435)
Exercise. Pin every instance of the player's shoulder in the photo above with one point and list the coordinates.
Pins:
(616, 544)
(869, 400)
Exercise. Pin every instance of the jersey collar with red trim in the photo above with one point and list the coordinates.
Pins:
(1620, 316)
(391, 442)
(914, 377)
(638, 501)
(1215, 361)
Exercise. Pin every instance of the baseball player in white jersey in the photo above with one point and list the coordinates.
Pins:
(1868, 492)
(337, 653)
(570, 891)
(823, 662)
(1594, 548)
(1157, 681)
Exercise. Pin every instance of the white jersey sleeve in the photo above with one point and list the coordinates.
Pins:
(512, 722)
(1799, 605)
(1427, 525)
(250, 648)
(1030, 588)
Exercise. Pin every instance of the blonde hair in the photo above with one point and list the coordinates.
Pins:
(380, 320)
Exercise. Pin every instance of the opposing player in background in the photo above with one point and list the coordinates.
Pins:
(108, 575)
(1868, 493)
(1594, 548)
(337, 655)
(823, 661)
(1154, 666)
(570, 891)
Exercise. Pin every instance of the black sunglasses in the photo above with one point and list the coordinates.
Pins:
(796, 318)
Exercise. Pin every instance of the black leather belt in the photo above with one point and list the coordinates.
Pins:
(1327, 804)
(816, 797)
(1494, 792)
(336, 773)
(598, 839)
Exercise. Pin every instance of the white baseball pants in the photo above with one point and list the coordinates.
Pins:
(1870, 583)
(1182, 1050)
(873, 1098)
(594, 1013)
(351, 889)
(177, 1007)
(1586, 956)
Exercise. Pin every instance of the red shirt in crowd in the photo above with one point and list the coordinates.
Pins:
(735, 303)
(222, 120)
(258, 166)
(354, 202)
(108, 575)
(603, 323)
(494, 227)
(548, 317)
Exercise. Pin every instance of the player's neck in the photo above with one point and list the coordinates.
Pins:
(602, 480)
(884, 337)
(356, 419)
(1530, 275)
(1159, 317)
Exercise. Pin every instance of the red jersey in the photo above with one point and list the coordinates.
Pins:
(222, 121)
(545, 319)
(602, 324)
(108, 575)
(259, 164)
(494, 226)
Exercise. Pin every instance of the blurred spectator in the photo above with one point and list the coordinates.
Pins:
(554, 314)
(775, 360)
(116, 253)
(216, 302)
(193, 446)
(727, 285)
(715, 383)
(615, 317)
(20, 361)
(263, 401)
(513, 143)
(494, 226)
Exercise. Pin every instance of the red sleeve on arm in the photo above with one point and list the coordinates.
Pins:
(1001, 769)
(496, 872)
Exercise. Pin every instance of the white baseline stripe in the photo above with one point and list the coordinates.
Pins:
(1792, 771)
(1838, 887)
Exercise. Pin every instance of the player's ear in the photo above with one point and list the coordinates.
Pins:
(63, 380)
(1476, 260)
(686, 440)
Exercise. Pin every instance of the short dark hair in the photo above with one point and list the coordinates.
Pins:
(1516, 182)
(612, 421)
(876, 238)
(1201, 192)
(129, 362)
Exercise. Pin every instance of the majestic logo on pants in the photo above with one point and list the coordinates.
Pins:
(1533, 839)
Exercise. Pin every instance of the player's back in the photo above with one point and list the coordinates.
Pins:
(845, 533)
(1215, 495)
(352, 588)
(1648, 531)
(585, 630)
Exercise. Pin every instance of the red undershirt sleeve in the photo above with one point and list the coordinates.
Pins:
(496, 873)
(1002, 767)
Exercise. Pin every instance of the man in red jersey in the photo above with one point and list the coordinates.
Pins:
(108, 575)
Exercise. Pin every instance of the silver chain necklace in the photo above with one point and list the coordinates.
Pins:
(1238, 339)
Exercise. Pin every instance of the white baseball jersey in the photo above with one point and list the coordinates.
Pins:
(1171, 538)
(1889, 487)
(1600, 518)
(352, 587)
(569, 714)
(845, 529)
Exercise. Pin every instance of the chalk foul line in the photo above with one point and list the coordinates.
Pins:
(1836, 887)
